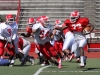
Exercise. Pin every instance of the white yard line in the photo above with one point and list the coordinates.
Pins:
(37, 73)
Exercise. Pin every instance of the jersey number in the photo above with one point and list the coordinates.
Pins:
(9, 31)
(75, 26)
(43, 34)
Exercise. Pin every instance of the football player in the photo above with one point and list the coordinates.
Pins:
(58, 40)
(77, 24)
(8, 37)
(68, 40)
(30, 23)
(42, 34)
(24, 47)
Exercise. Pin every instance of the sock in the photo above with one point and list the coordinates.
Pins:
(82, 59)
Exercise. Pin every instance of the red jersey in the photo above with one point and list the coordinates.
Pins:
(20, 43)
(78, 26)
(65, 30)
(28, 29)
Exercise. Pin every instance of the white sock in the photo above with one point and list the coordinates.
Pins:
(82, 59)
(12, 61)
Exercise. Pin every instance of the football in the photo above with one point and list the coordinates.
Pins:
(87, 30)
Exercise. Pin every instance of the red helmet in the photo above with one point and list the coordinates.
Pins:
(45, 21)
(45, 18)
(38, 19)
(9, 19)
(74, 16)
(31, 21)
(58, 22)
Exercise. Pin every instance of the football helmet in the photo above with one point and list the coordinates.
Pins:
(38, 19)
(45, 21)
(58, 22)
(31, 21)
(10, 19)
(74, 16)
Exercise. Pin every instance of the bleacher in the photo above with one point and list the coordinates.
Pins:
(55, 9)
(8, 4)
(97, 20)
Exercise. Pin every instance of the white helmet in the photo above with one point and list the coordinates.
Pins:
(30, 22)
(45, 21)
(58, 22)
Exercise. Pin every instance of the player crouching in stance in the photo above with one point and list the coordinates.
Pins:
(24, 47)
(42, 34)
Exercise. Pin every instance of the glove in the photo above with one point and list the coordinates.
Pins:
(9, 39)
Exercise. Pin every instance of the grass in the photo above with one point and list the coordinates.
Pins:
(72, 68)
(69, 68)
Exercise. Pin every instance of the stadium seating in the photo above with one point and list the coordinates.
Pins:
(8, 4)
(97, 15)
(55, 9)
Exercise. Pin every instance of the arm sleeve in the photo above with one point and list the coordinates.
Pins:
(65, 23)
(86, 22)
(29, 30)
(15, 32)
(1, 37)
(36, 26)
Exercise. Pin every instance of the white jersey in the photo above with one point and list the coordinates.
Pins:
(58, 35)
(43, 34)
(24, 46)
(8, 30)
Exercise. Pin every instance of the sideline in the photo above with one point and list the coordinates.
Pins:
(37, 73)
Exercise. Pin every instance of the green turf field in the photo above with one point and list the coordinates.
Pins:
(69, 68)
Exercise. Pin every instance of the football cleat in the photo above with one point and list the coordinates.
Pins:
(59, 66)
(59, 63)
(11, 64)
(78, 60)
(71, 57)
(23, 63)
(82, 65)
(65, 58)
(32, 61)
(45, 63)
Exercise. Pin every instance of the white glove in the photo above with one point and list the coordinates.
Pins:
(9, 39)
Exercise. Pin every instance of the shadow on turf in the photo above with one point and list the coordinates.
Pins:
(53, 67)
(88, 69)
(21, 66)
